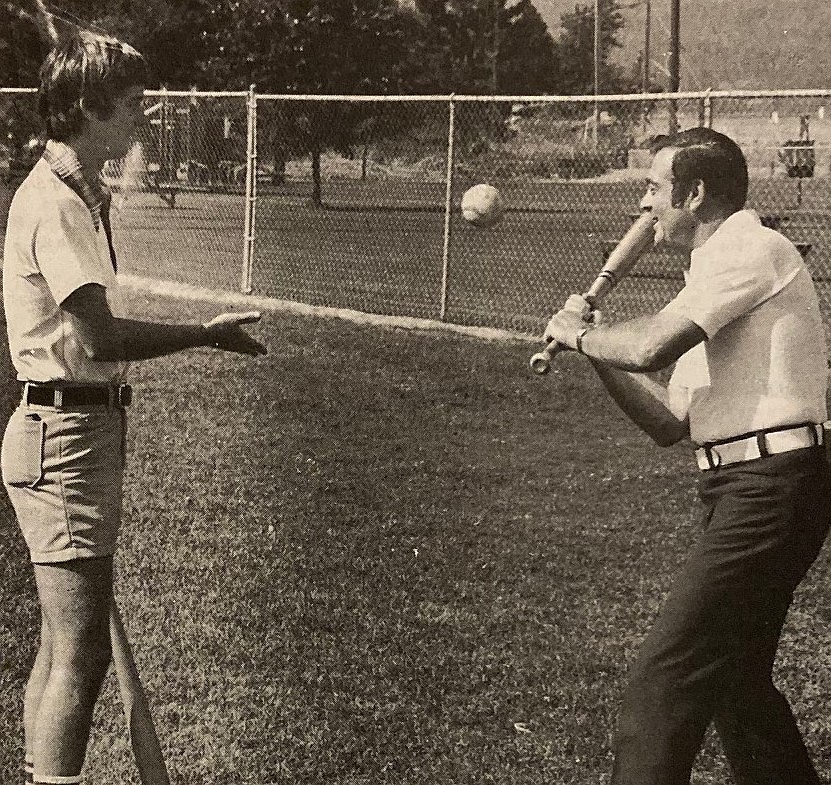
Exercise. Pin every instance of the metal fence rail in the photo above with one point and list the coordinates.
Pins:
(352, 201)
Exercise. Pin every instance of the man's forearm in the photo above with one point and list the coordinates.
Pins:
(645, 402)
(648, 343)
(145, 340)
(629, 346)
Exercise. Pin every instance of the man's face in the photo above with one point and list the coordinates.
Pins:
(115, 133)
(675, 225)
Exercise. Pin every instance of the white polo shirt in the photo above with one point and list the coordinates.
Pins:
(764, 363)
(52, 248)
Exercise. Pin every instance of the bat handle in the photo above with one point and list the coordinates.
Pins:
(541, 361)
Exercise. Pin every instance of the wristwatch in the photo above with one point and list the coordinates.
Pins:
(578, 341)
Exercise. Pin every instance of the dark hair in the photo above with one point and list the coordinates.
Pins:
(85, 71)
(706, 155)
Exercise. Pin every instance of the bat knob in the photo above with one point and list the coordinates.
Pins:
(541, 363)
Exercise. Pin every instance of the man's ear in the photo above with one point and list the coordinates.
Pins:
(697, 195)
(82, 105)
(88, 112)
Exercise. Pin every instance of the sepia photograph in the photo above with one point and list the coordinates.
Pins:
(415, 392)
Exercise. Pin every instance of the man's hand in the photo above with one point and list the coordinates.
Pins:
(575, 315)
(225, 332)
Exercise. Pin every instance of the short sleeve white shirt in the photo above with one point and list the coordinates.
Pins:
(764, 363)
(53, 248)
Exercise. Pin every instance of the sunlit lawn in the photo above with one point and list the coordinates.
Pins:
(386, 557)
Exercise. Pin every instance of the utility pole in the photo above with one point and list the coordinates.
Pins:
(596, 117)
(646, 41)
(495, 53)
(674, 58)
(646, 55)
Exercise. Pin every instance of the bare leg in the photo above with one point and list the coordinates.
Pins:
(35, 687)
(75, 598)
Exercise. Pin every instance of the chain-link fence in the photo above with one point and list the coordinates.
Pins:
(180, 194)
(353, 202)
(178, 198)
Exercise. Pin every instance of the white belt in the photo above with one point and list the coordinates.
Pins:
(749, 448)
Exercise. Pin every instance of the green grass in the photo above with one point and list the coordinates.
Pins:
(366, 557)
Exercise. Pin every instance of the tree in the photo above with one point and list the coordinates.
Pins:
(527, 62)
(324, 47)
(23, 45)
(178, 38)
(575, 50)
(486, 46)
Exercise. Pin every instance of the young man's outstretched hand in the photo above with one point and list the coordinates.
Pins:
(225, 332)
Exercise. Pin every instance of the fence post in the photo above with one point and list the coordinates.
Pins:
(250, 193)
(164, 142)
(708, 110)
(448, 205)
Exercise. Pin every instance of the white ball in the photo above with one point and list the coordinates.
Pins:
(482, 205)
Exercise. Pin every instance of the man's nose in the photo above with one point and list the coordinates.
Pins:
(646, 202)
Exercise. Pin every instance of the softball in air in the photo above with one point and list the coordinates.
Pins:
(482, 205)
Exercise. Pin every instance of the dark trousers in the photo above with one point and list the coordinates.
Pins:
(710, 654)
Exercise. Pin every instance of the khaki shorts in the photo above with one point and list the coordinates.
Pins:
(63, 471)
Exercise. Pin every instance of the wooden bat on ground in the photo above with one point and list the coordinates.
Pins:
(630, 248)
(143, 739)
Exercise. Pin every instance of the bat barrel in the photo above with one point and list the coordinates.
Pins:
(147, 750)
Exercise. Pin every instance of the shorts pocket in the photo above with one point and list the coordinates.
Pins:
(21, 458)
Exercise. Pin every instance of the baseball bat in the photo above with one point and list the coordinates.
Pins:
(142, 733)
(639, 237)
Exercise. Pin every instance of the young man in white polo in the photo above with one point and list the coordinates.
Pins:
(749, 390)
(63, 449)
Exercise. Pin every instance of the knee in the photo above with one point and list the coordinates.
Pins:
(648, 702)
(647, 687)
(83, 656)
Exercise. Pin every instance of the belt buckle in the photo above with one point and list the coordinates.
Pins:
(712, 455)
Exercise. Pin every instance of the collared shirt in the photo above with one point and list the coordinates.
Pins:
(65, 164)
(764, 363)
(52, 248)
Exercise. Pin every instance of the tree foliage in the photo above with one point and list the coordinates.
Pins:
(485, 46)
(22, 46)
(341, 47)
(575, 51)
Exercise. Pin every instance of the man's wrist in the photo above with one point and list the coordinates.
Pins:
(206, 336)
(578, 340)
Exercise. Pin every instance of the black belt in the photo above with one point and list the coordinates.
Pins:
(60, 397)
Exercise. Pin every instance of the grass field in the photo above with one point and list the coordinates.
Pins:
(378, 556)
(388, 557)
(377, 246)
